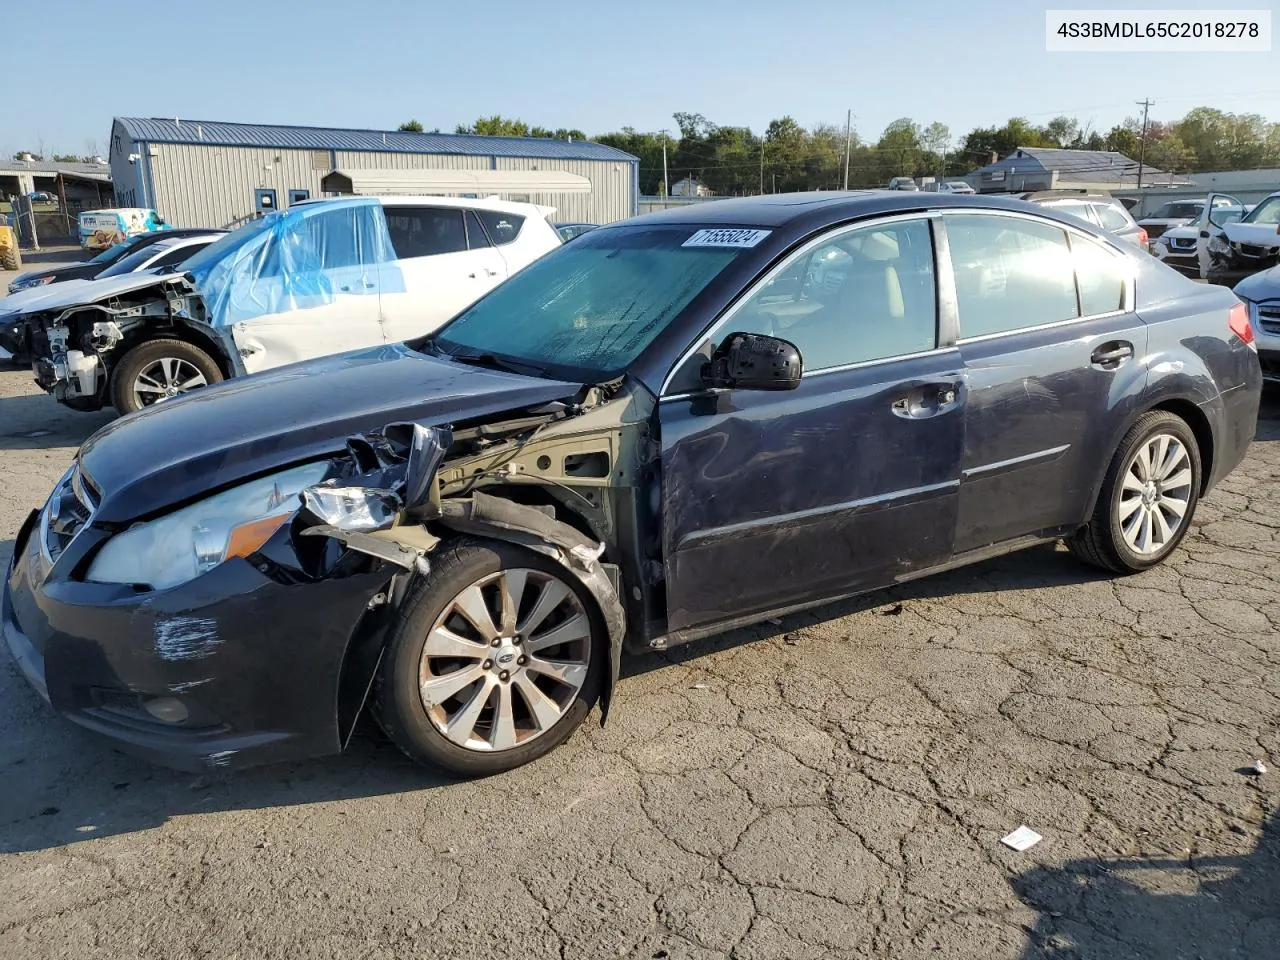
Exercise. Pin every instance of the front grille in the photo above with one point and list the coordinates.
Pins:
(1183, 243)
(1256, 250)
(1268, 317)
(70, 508)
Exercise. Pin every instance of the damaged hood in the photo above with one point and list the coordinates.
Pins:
(73, 293)
(1262, 234)
(183, 449)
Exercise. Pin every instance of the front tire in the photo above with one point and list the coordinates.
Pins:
(1147, 499)
(159, 370)
(496, 658)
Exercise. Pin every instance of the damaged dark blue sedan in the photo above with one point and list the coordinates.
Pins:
(673, 426)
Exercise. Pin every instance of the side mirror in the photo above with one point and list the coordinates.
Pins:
(752, 361)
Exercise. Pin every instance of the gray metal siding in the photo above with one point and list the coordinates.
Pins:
(203, 186)
(612, 195)
(349, 160)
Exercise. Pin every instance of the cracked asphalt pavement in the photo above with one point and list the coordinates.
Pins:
(835, 785)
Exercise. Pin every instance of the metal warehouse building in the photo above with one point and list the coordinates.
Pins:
(210, 174)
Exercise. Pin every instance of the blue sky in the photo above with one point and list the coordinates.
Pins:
(597, 65)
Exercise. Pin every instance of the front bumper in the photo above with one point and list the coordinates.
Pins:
(255, 659)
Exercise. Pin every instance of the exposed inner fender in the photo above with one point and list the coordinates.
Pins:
(486, 516)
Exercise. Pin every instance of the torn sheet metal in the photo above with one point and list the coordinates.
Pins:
(392, 471)
(298, 259)
(379, 547)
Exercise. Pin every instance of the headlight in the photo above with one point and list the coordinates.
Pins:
(1219, 244)
(177, 548)
(28, 284)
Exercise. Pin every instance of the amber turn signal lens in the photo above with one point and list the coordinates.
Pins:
(249, 537)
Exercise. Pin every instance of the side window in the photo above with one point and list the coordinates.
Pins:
(501, 227)
(1075, 208)
(1101, 276)
(1011, 273)
(866, 294)
(477, 239)
(425, 231)
(334, 241)
(1111, 216)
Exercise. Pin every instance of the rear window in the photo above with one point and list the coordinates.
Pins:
(502, 227)
(1112, 216)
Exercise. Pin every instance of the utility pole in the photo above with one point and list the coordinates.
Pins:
(666, 184)
(848, 145)
(1142, 146)
(762, 165)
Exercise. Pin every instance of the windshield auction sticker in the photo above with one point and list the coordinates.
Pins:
(726, 237)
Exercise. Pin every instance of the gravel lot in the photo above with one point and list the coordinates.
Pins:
(835, 786)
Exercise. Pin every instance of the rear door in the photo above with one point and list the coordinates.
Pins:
(313, 292)
(447, 263)
(1053, 355)
(849, 481)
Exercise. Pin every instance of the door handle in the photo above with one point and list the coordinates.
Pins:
(927, 400)
(1112, 354)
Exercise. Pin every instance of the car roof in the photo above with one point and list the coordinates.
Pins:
(422, 200)
(781, 209)
(1035, 195)
(187, 239)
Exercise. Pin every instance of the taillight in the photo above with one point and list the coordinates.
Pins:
(1238, 321)
(1143, 239)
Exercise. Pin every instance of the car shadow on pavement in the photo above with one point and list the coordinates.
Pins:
(1150, 908)
(38, 422)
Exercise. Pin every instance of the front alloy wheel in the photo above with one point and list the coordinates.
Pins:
(497, 658)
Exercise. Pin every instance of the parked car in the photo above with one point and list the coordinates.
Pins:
(100, 229)
(903, 183)
(164, 255)
(88, 269)
(1261, 294)
(1178, 246)
(321, 277)
(655, 433)
(933, 185)
(569, 231)
(1095, 209)
(1231, 249)
(1176, 213)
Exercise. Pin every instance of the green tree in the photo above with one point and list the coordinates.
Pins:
(411, 126)
(496, 126)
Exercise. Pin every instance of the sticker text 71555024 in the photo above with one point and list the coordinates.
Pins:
(726, 237)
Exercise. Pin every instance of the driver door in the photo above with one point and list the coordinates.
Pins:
(773, 500)
(1210, 228)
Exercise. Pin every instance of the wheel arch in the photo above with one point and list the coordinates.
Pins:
(1181, 406)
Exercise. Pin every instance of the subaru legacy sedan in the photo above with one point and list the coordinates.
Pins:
(673, 426)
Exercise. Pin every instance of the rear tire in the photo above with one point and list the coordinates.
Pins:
(159, 370)
(445, 684)
(1148, 497)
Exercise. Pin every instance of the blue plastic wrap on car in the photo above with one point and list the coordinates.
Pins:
(297, 259)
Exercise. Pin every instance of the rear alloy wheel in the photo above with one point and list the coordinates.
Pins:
(496, 660)
(160, 370)
(1148, 498)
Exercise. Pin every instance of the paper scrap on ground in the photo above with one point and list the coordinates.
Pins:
(1024, 838)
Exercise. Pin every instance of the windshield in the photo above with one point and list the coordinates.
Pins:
(134, 261)
(110, 254)
(1268, 212)
(1178, 211)
(227, 244)
(592, 306)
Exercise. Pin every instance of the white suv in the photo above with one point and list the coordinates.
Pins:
(322, 277)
